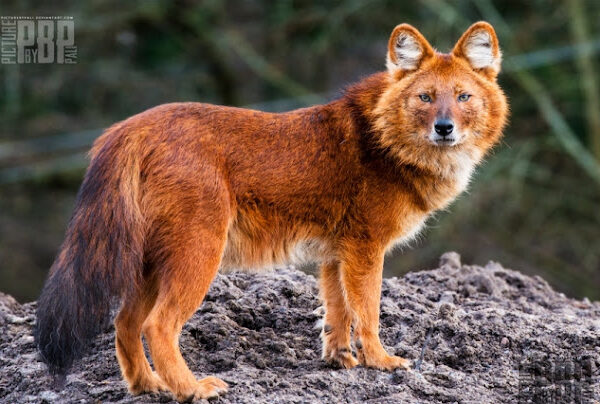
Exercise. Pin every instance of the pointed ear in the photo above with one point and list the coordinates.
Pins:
(407, 49)
(479, 47)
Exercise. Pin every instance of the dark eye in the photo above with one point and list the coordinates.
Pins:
(464, 97)
(425, 98)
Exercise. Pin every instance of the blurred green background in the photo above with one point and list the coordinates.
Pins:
(533, 206)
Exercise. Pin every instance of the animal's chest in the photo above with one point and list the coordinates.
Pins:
(461, 175)
(408, 227)
(410, 218)
(453, 180)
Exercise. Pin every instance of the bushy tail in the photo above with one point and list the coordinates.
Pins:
(100, 258)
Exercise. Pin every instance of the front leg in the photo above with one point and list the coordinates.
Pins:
(337, 319)
(361, 276)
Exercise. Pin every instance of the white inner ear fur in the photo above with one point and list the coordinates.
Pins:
(407, 51)
(478, 49)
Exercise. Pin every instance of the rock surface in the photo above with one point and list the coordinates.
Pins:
(475, 334)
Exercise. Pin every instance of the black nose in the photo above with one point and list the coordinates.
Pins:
(443, 127)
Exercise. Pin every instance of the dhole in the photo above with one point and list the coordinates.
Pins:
(177, 192)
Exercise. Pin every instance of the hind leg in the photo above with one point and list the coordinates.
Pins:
(182, 290)
(191, 246)
(338, 318)
(128, 326)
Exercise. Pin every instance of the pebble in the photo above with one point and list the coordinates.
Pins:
(15, 319)
(447, 297)
(452, 259)
(49, 396)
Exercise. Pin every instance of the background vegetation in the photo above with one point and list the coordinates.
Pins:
(533, 206)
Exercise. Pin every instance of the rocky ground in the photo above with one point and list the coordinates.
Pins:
(476, 335)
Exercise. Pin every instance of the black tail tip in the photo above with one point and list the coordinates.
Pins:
(56, 352)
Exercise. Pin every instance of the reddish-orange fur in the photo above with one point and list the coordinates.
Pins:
(342, 183)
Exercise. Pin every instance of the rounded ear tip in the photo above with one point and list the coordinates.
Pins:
(482, 25)
(404, 27)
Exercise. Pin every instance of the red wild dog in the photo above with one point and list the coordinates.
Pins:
(177, 192)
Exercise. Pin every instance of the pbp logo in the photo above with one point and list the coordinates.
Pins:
(26, 40)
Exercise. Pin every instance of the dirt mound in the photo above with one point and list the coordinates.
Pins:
(476, 335)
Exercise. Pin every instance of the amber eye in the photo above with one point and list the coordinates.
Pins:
(464, 97)
(425, 97)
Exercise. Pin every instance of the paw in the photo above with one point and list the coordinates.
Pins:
(209, 387)
(340, 357)
(384, 361)
(148, 384)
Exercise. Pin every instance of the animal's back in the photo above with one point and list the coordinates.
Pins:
(268, 155)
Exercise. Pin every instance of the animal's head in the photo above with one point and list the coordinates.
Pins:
(439, 103)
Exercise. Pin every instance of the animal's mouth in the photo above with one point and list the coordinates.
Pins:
(445, 141)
